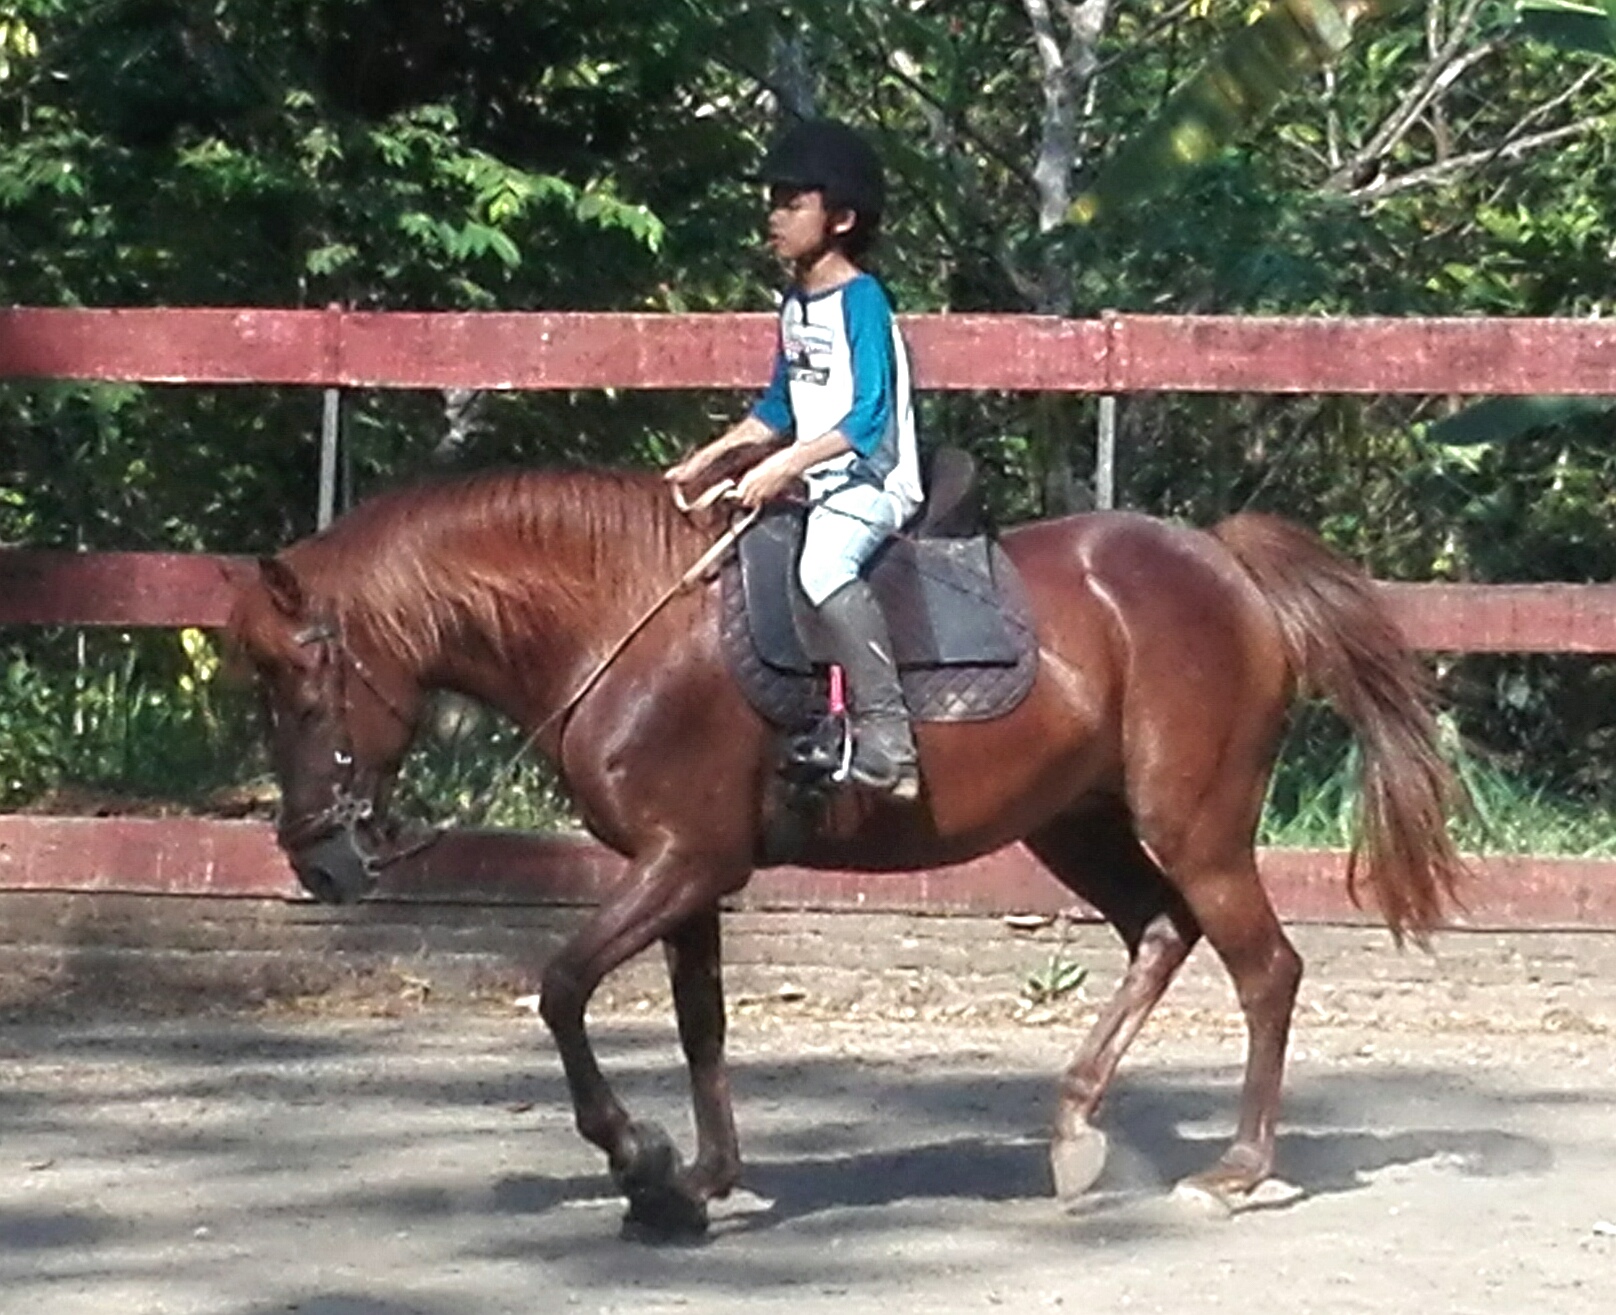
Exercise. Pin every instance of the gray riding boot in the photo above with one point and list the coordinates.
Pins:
(883, 744)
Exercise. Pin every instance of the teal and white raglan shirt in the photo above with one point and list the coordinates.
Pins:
(841, 364)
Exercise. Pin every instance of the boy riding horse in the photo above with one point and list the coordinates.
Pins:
(837, 414)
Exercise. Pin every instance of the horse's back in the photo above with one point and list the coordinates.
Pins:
(1155, 579)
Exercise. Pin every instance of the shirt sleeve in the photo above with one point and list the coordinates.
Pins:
(869, 338)
(774, 407)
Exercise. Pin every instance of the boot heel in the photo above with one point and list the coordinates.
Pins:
(903, 783)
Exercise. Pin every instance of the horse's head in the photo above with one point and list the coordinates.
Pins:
(338, 720)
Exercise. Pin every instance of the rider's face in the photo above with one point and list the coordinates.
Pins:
(800, 228)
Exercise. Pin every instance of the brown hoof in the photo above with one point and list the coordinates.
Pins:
(665, 1218)
(661, 1206)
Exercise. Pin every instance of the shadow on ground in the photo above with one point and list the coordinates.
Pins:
(451, 1142)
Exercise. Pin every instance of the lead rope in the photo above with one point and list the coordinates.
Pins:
(695, 574)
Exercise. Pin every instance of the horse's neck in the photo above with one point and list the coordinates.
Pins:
(569, 622)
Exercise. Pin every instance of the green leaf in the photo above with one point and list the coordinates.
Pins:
(330, 258)
(1499, 419)
(502, 246)
(1570, 25)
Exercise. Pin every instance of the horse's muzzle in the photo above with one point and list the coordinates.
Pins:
(334, 870)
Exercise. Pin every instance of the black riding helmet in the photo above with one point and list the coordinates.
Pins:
(830, 157)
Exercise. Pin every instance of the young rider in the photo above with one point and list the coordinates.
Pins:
(836, 414)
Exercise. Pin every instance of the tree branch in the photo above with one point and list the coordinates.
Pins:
(1445, 68)
(1512, 149)
(1540, 112)
(1052, 170)
(1136, 46)
(1068, 70)
(933, 109)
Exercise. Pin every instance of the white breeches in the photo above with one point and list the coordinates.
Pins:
(844, 528)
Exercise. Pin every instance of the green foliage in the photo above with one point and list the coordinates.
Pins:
(1467, 436)
(1313, 798)
(142, 721)
(1060, 976)
(127, 715)
(290, 153)
(468, 768)
(1570, 26)
(1056, 980)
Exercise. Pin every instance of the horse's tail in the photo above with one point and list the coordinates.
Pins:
(1345, 645)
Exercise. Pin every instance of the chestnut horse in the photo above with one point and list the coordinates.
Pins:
(1135, 769)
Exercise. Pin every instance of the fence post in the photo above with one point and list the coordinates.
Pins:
(331, 416)
(1105, 455)
(330, 443)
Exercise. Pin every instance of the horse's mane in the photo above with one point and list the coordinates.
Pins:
(507, 555)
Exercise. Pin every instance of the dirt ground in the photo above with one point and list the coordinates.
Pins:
(1452, 1123)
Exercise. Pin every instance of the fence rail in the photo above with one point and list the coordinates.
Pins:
(1112, 354)
(239, 860)
(186, 589)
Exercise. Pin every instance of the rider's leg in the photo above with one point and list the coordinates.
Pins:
(883, 744)
(843, 530)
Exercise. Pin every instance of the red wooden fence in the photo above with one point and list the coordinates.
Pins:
(194, 589)
(200, 856)
(1114, 354)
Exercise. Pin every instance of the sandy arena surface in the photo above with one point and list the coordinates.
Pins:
(1454, 1132)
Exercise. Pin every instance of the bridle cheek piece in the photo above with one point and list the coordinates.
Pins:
(349, 807)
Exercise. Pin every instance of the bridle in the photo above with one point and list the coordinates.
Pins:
(351, 807)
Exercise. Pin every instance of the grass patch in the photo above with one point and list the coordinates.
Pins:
(1312, 798)
(144, 721)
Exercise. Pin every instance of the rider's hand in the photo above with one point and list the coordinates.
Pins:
(688, 470)
(768, 479)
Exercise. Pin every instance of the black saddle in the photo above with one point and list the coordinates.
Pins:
(961, 628)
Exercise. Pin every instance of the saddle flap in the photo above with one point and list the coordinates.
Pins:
(941, 599)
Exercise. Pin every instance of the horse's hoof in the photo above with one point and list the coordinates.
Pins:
(1204, 1200)
(1270, 1194)
(661, 1207)
(649, 1159)
(665, 1217)
(1213, 1200)
(1077, 1162)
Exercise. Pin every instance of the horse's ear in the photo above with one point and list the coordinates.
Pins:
(282, 584)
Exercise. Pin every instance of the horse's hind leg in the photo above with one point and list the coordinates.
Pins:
(1097, 856)
(1228, 901)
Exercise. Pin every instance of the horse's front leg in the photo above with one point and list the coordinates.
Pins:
(658, 897)
(695, 969)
